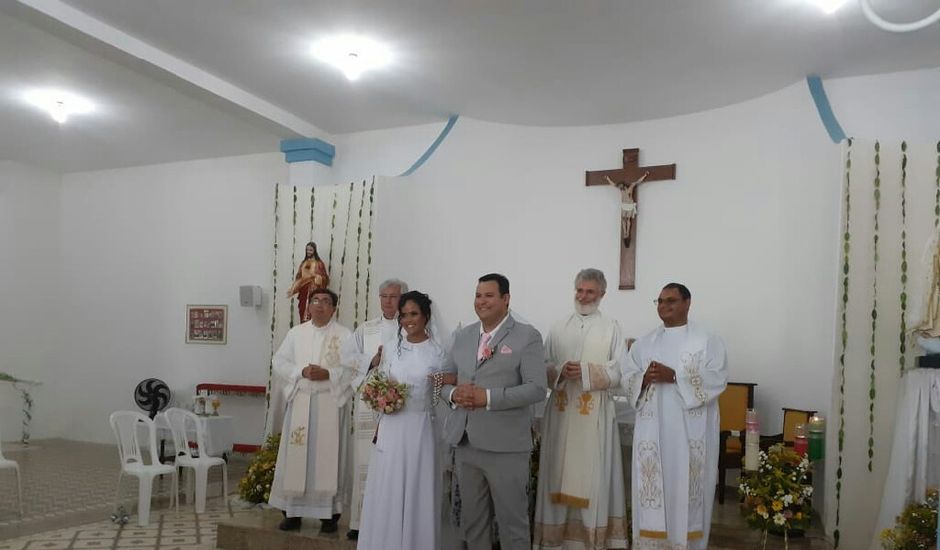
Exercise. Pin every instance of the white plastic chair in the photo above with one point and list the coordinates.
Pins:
(182, 422)
(126, 426)
(7, 464)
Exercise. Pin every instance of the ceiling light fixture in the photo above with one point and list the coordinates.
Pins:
(832, 6)
(60, 105)
(881, 23)
(829, 6)
(352, 54)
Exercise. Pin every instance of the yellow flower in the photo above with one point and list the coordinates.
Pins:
(798, 516)
(762, 510)
(777, 506)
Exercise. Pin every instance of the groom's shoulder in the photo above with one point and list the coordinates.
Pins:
(473, 329)
(524, 330)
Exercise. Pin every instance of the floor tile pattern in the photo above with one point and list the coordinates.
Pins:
(69, 483)
(69, 492)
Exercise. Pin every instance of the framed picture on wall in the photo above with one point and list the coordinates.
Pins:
(206, 324)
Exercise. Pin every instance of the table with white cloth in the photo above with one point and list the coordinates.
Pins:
(915, 454)
(219, 432)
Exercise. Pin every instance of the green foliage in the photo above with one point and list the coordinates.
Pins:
(916, 527)
(777, 496)
(847, 238)
(256, 485)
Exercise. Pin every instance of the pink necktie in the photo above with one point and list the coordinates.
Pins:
(484, 340)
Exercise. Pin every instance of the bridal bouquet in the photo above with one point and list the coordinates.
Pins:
(384, 395)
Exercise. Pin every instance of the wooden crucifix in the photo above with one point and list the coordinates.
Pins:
(626, 180)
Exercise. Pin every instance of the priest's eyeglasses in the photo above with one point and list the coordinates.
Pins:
(666, 301)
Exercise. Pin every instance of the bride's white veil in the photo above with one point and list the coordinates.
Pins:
(438, 330)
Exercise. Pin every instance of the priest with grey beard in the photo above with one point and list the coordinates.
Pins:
(580, 501)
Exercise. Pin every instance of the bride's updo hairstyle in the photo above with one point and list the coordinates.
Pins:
(424, 305)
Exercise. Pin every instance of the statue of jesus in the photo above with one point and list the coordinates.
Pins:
(627, 205)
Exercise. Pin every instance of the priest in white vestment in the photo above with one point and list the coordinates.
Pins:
(311, 474)
(580, 501)
(673, 376)
(363, 350)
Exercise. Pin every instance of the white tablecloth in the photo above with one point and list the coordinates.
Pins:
(219, 433)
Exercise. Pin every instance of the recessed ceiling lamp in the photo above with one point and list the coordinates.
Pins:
(60, 105)
(352, 54)
(828, 6)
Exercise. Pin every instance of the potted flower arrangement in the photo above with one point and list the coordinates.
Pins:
(255, 487)
(916, 527)
(776, 498)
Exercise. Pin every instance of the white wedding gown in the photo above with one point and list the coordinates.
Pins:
(401, 506)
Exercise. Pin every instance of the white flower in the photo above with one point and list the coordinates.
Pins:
(808, 491)
(788, 499)
(779, 519)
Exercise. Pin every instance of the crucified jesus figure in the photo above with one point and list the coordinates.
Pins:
(627, 205)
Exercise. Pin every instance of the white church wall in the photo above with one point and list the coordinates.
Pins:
(31, 277)
(890, 107)
(750, 224)
(756, 189)
(362, 155)
(785, 226)
(140, 244)
(862, 490)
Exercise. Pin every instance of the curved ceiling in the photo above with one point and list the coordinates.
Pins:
(531, 62)
(534, 62)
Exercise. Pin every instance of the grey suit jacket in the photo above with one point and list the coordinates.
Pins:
(515, 378)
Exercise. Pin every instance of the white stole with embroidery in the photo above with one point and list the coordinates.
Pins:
(686, 521)
(326, 453)
(573, 471)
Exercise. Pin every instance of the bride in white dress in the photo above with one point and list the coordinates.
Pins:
(401, 506)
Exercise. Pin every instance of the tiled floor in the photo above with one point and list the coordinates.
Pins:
(167, 531)
(69, 492)
(69, 483)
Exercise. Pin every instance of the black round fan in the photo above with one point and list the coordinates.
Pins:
(152, 395)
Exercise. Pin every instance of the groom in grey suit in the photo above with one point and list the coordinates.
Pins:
(500, 366)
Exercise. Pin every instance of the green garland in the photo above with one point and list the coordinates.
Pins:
(874, 310)
(342, 261)
(369, 264)
(293, 256)
(902, 336)
(936, 208)
(846, 245)
(27, 412)
(22, 386)
(267, 396)
(329, 267)
(362, 201)
(313, 202)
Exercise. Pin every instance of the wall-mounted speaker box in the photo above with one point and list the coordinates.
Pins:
(250, 296)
